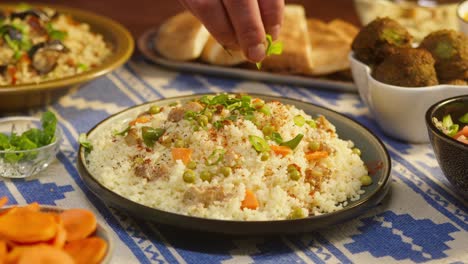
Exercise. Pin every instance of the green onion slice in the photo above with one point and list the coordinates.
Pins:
(259, 144)
(293, 143)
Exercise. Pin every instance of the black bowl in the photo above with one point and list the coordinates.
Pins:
(451, 154)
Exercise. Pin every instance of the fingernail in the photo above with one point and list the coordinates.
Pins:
(274, 31)
(256, 53)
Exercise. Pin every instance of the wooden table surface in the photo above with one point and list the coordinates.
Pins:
(139, 15)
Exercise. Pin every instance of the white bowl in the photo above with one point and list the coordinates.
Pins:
(462, 10)
(399, 111)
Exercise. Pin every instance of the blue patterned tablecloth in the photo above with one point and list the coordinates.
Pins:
(422, 221)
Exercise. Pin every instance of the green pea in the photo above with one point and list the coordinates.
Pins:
(314, 145)
(209, 114)
(296, 213)
(189, 176)
(206, 176)
(268, 130)
(192, 165)
(226, 171)
(294, 175)
(265, 156)
(179, 143)
(365, 180)
(357, 151)
(291, 167)
(202, 120)
(154, 109)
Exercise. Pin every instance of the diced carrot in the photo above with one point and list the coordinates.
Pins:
(38, 254)
(26, 226)
(3, 201)
(141, 119)
(87, 251)
(281, 150)
(462, 132)
(184, 154)
(79, 223)
(250, 200)
(316, 155)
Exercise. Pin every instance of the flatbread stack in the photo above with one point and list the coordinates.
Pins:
(310, 46)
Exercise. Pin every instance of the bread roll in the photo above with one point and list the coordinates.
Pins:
(181, 38)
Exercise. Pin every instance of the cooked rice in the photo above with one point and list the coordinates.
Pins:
(113, 162)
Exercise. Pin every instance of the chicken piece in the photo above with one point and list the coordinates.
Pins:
(204, 196)
(151, 172)
(177, 113)
(132, 137)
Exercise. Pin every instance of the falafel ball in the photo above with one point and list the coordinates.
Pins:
(450, 51)
(407, 67)
(380, 38)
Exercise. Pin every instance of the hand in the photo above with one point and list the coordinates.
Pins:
(240, 23)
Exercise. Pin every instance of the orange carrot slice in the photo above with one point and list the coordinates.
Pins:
(26, 226)
(38, 254)
(79, 223)
(3, 201)
(141, 119)
(281, 150)
(250, 200)
(316, 155)
(184, 154)
(463, 132)
(3, 251)
(87, 251)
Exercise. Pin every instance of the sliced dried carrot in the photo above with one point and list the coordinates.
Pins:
(281, 150)
(87, 251)
(3, 251)
(316, 155)
(26, 226)
(61, 237)
(38, 254)
(79, 223)
(35, 207)
(250, 200)
(184, 154)
(3, 201)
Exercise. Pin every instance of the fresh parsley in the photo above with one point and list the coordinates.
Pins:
(273, 48)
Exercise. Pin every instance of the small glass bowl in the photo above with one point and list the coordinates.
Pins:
(34, 160)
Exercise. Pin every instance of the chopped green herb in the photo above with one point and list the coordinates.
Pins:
(299, 120)
(122, 133)
(54, 33)
(216, 156)
(275, 48)
(293, 143)
(311, 123)
(82, 139)
(276, 137)
(83, 66)
(464, 118)
(258, 143)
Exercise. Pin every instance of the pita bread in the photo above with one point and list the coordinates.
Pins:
(214, 53)
(297, 54)
(331, 44)
(182, 37)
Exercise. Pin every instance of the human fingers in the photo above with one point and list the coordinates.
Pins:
(215, 19)
(272, 16)
(247, 22)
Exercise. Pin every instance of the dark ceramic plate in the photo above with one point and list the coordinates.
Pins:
(373, 151)
(146, 43)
